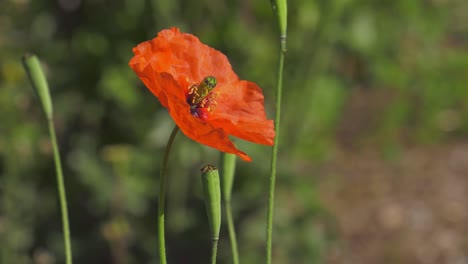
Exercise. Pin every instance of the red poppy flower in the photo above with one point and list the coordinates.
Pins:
(204, 96)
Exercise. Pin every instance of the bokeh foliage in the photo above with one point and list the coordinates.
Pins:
(358, 73)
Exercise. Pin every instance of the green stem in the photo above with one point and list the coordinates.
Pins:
(229, 168)
(38, 80)
(61, 190)
(162, 196)
(274, 153)
(214, 250)
(232, 232)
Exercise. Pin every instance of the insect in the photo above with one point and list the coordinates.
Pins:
(198, 92)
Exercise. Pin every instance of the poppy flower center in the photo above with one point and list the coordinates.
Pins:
(201, 98)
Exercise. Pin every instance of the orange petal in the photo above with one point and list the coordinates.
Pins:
(147, 76)
(184, 57)
(240, 112)
(194, 128)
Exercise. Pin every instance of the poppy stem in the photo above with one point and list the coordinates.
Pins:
(274, 153)
(62, 193)
(214, 250)
(38, 80)
(232, 232)
(228, 171)
(162, 197)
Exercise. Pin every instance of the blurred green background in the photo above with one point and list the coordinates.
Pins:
(378, 77)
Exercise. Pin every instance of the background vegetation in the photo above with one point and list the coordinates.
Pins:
(380, 75)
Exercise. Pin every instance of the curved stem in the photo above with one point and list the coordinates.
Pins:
(62, 193)
(162, 196)
(214, 250)
(232, 232)
(274, 153)
(38, 80)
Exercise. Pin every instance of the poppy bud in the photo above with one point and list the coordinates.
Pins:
(281, 9)
(37, 78)
(212, 195)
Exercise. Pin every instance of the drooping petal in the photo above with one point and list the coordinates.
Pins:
(193, 127)
(148, 77)
(240, 112)
(260, 132)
